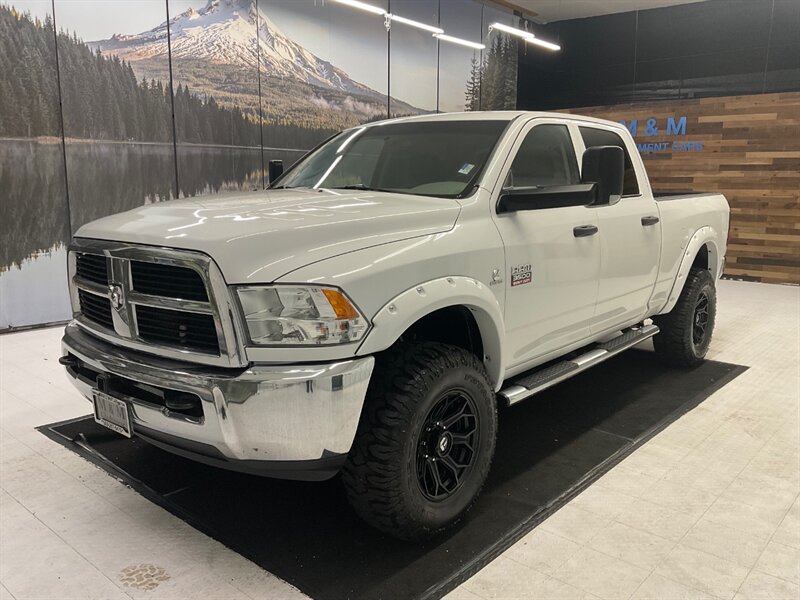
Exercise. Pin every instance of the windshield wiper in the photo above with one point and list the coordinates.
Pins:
(365, 188)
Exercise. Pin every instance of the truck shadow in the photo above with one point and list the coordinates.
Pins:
(549, 449)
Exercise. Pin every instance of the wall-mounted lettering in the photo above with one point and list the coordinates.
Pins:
(674, 126)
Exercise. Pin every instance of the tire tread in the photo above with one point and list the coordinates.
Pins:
(371, 476)
(673, 343)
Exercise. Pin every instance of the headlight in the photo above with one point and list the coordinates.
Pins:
(300, 316)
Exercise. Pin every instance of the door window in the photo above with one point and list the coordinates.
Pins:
(602, 137)
(546, 157)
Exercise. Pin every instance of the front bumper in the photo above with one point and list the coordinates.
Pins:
(289, 421)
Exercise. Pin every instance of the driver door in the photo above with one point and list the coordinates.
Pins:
(552, 253)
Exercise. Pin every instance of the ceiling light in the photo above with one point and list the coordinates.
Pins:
(413, 23)
(526, 35)
(455, 40)
(512, 30)
(363, 6)
(543, 44)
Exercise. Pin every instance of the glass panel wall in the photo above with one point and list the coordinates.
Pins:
(413, 58)
(498, 62)
(116, 105)
(169, 98)
(34, 216)
(460, 66)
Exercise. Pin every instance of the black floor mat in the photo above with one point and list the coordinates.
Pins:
(549, 449)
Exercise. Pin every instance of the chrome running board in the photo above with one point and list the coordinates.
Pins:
(532, 382)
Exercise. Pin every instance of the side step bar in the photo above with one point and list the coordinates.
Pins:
(526, 385)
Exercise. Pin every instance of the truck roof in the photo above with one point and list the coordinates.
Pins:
(494, 115)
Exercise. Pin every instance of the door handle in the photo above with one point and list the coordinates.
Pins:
(584, 230)
(650, 220)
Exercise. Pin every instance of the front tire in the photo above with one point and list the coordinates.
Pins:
(425, 440)
(687, 329)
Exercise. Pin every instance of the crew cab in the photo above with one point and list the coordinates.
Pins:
(368, 313)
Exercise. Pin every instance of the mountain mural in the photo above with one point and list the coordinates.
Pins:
(216, 50)
(116, 149)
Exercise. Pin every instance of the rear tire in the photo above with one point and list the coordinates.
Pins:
(425, 440)
(687, 329)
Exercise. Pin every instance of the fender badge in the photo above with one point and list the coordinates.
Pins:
(521, 274)
(496, 279)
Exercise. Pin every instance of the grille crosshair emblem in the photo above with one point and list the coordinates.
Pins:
(116, 296)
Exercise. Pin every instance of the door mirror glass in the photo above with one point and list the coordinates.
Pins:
(605, 167)
(275, 170)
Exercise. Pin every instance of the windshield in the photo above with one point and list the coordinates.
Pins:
(430, 158)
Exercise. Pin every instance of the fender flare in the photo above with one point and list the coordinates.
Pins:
(705, 236)
(408, 307)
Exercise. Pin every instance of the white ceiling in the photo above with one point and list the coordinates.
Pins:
(558, 10)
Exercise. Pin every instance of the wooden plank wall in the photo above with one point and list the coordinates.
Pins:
(751, 153)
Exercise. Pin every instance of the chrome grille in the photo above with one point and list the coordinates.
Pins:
(92, 267)
(167, 280)
(97, 309)
(173, 303)
(177, 328)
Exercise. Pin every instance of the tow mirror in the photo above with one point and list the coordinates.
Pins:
(605, 167)
(275, 170)
(513, 199)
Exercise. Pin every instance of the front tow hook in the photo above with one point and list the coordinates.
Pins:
(69, 361)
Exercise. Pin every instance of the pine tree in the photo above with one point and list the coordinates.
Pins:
(491, 76)
(473, 91)
(102, 98)
(510, 60)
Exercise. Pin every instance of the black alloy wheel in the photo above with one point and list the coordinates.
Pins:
(447, 442)
(425, 440)
(687, 329)
(700, 320)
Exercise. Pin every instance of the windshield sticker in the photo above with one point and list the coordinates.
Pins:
(521, 274)
(466, 168)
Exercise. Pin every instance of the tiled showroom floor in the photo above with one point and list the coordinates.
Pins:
(707, 509)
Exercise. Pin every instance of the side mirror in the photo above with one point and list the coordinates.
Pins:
(275, 169)
(540, 197)
(604, 166)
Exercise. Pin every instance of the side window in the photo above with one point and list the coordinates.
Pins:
(546, 157)
(602, 137)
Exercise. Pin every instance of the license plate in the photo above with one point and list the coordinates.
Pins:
(112, 413)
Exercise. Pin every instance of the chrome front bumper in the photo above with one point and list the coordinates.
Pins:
(292, 421)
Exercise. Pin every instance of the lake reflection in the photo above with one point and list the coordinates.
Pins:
(34, 215)
(104, 178)
(35, 291)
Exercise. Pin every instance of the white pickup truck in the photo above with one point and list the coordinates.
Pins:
(369, 312)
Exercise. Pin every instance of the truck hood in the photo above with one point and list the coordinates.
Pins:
(257, 238)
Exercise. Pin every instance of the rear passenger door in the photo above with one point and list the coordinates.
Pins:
(551, 273)
(629, 238)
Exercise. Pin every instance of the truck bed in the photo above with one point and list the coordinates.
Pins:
(680, 195)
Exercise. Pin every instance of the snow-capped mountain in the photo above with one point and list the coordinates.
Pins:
(224, 32)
